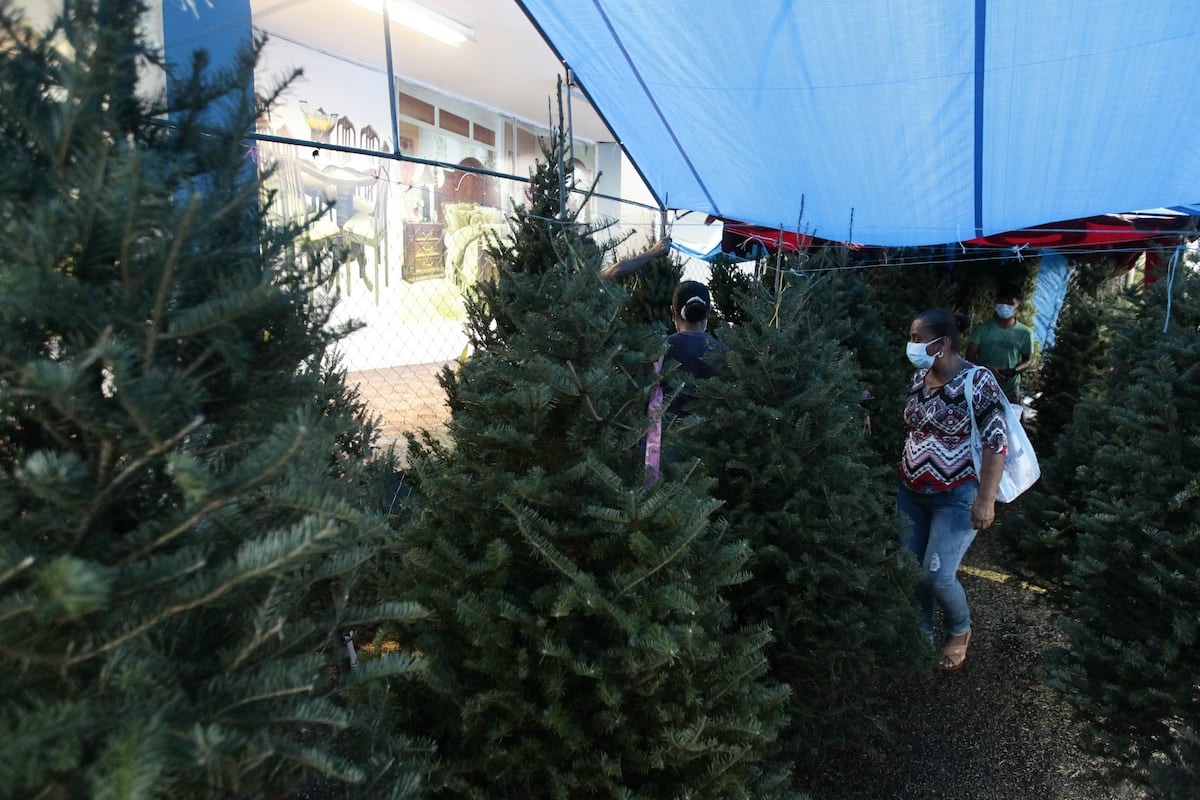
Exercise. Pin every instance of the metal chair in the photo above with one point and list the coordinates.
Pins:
(369, 229)
(283, 190)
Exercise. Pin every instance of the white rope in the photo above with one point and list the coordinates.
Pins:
(1171, 285)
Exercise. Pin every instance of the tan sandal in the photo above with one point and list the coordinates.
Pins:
(955, 655)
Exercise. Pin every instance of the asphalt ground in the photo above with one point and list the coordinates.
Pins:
(990, 731)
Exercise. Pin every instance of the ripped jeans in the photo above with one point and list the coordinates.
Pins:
(938, 532)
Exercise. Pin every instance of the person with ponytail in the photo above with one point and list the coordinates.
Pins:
(940, 495)
(691, 343)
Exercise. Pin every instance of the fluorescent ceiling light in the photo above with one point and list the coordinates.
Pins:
(421, 18)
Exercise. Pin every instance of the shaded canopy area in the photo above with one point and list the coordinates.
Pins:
(898, 122)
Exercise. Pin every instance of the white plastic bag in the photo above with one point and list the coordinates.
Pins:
(1021, 468)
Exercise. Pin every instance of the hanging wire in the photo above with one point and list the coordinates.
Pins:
(889, 257)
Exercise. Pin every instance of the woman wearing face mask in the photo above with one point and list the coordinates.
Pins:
(940, 495)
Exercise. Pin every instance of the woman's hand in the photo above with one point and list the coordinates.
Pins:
(983, 513)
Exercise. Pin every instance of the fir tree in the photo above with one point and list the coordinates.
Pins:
(902, 292)
(1092, 310)
(185, 488)
(579, 644)
(783, 431)
(650, 290)
(551, 220)
(849, 308)
(1132, 617)
(727, 281)
(1039, 532)
(1176, 777)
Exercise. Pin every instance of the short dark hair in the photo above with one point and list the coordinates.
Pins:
(691, 301)
(948, 324)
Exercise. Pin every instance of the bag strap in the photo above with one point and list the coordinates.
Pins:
(967, 390)
(654, 433)
(976, 439)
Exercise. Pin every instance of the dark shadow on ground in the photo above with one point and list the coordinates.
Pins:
(991, 731)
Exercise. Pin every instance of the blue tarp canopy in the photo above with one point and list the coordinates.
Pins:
(894, 122)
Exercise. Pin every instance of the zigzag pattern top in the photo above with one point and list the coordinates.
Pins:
(937, 440)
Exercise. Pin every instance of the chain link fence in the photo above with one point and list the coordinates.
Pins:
(414, 237)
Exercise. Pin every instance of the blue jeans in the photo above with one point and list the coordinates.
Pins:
(939, 533)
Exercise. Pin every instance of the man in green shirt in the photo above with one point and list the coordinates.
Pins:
(1003, 345)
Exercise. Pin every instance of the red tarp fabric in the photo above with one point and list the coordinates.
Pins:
(1090, 232)
(748, 241)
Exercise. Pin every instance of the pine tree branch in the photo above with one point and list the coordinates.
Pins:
(17, 610)
(99, 176)
(260, 637)
(74, 106)
(288, 692)
(179, 608)
(736, 683)
(722, 768)
(130, 217)
(172, 577)
(20, 566)
(156, 450)
(216, 502)
(596, 416)
(682, 547)
(191, 370)
(164, 284)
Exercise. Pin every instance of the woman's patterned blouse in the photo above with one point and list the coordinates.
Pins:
(937, 440)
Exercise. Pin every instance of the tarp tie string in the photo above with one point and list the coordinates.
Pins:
(1171, 284)
(1017, 248)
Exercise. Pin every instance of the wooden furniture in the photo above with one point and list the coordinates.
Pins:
(345, 134)
(463, 186)
(368, 139)
(423, 247)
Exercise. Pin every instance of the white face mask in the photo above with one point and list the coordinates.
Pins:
(1004, 311)
(918, 356)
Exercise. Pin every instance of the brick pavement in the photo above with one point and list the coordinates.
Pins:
(407, 398)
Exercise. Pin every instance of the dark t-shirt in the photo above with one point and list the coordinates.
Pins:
(689, 350)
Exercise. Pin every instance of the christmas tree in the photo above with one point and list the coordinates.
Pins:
(579, 644)
(1092, 309)
(903, 283)
(1176, 777)
(1132, 617)
(851, 312)
(186, 491)
(783, 430)
(649, 291)
(1039, 531)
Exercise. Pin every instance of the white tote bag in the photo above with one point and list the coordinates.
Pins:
(1021, 468)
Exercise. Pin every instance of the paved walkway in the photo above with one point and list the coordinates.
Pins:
(406, 398)
(989, 732)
